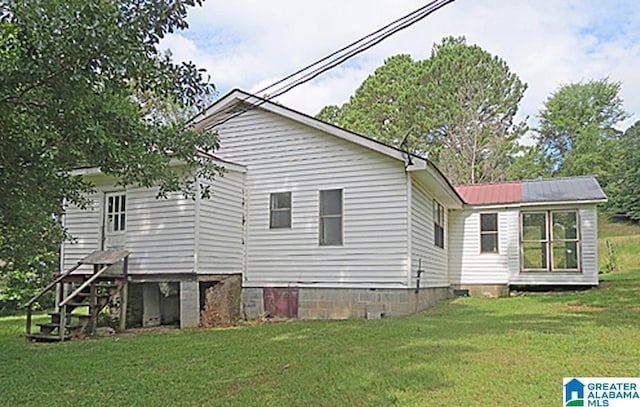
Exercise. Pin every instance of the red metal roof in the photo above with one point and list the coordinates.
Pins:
(481, 194)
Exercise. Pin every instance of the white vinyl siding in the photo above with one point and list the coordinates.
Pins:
(159, 232)
(283, 155)
(467, 265)
(425, 254)
(84, 227)
(220, 231)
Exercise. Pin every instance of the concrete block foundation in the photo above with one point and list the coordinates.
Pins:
(343, 303)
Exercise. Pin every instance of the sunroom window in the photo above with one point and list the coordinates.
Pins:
(550, 241)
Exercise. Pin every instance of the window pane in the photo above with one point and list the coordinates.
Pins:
(122, 221)
(534, 226)
(116, 223)
(281, 200)
(565, 225)
(331, 202)
(535, 255)
(489, 222)
(122, 203)
(438, 236)
(489, 243)
(331, 231)
(281, 219)
(565, 255)
(110, 206)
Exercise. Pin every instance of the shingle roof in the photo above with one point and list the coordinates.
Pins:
(584, 188)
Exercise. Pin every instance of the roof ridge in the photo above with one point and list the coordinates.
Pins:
(568, 177)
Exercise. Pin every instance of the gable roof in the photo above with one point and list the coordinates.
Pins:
(568, 189)
(226, 106)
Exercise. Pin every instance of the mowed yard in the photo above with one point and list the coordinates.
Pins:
(465, 352)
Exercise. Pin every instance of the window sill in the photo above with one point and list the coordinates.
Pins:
(551, 272)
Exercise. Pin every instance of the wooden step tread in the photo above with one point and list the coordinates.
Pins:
(39, 337)
(86, 295)
(56, 325)
(57, 314)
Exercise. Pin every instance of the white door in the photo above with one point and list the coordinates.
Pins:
(115, 221)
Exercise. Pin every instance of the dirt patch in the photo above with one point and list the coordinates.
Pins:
(581, 308)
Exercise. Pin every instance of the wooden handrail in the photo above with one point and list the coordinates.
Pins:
(53, 284)
(63, 304)
(84, 285)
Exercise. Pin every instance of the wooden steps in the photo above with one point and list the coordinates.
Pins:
(82, 289)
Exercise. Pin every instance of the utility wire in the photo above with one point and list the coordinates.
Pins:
(336, 58)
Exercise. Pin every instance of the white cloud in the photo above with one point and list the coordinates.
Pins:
(248, 44)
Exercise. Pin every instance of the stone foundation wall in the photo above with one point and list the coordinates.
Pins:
(342, 303)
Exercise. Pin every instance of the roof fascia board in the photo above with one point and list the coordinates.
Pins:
(424, 165)
(532, 204)
(174, 163)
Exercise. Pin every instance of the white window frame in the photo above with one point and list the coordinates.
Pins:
(549, 241)
(490, 232)
(114, 217)
(273, 209)
(323, 216)
(438, 223)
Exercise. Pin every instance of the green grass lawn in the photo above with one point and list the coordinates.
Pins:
(465, 352)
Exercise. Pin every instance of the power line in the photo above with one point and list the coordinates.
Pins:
(336, 58)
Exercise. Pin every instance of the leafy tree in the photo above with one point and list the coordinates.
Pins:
(624, 185)
(577, 131)
(531, 164)
(458, 107)
(83, 84)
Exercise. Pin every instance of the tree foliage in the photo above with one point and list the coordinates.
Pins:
(576, 131)
(458, 106)
(624, 185)
(83, 84)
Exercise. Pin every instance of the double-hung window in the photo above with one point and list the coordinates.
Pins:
(550, 241)
(438, 224)
(330, 224)
(280, 213)
(488, 233)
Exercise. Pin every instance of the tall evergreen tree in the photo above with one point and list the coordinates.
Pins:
(458, 107)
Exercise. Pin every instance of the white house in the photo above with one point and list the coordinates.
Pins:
(319, 222)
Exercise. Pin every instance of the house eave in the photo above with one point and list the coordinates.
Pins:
(442, 189)
(92, 171)
(531, 204)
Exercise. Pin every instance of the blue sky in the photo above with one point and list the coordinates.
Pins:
(249, 44)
